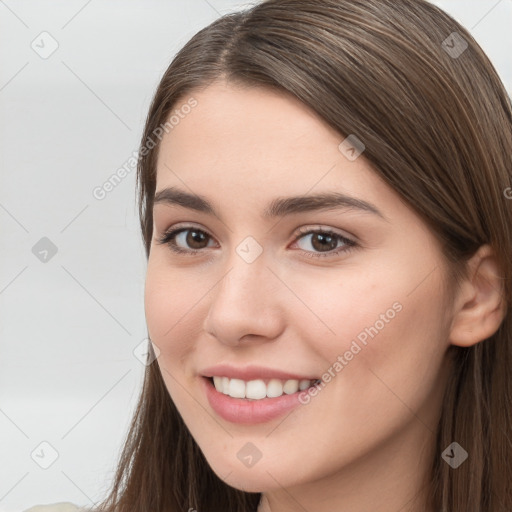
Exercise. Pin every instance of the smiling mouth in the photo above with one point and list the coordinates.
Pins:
(259, 389)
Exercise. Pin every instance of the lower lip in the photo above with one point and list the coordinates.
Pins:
(240, 410)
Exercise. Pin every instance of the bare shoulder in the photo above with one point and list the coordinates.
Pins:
(56, 507)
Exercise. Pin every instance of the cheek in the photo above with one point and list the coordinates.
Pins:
(158, 305)
(345, 307)
(163, 312)
(382, 331)
(174, 303)
(166, 301)
(398, 367)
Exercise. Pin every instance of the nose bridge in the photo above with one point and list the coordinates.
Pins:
(244, 301)
(247, 276)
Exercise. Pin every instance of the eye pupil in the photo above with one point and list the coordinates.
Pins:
(195, 237)
(326, 242)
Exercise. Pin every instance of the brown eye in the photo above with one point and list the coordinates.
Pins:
(195, 238)
(323, 243)
(185, 240)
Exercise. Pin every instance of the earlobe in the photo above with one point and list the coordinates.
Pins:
(480, 306)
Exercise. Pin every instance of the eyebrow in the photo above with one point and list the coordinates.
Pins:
(278, 207)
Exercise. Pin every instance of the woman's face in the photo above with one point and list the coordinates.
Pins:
(358, 304)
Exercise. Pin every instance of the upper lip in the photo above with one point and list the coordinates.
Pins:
(251, 372)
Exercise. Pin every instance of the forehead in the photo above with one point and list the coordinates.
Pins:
(245, 146)
(230, 120)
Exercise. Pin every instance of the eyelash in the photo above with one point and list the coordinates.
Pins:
(168, 238)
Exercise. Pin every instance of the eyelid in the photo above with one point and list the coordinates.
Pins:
(320, 227)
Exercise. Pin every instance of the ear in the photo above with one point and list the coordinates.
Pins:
(480, 306)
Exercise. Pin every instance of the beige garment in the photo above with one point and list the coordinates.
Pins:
(55, 507)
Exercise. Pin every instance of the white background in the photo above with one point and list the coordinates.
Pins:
(68, 327)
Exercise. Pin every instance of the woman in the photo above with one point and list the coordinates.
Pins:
(325, 205)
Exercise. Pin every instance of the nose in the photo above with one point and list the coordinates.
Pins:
(246, 304)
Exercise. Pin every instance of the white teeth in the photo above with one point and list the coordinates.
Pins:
(236, 388)
(291, 386)
(274, 388)
(257, 389)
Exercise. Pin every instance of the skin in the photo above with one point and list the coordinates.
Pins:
(366, 440)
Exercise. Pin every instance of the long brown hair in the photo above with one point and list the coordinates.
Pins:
(436, 123)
